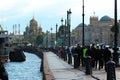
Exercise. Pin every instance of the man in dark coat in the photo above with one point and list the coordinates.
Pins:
(107, 55)
(77, 56)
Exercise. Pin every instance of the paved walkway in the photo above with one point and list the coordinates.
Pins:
(57, 69)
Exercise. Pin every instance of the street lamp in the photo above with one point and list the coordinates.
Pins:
(56, 33)
(68, 25)
(51, 37)
(83, 43)
(65, 29)
(115, 54)
(47, 39)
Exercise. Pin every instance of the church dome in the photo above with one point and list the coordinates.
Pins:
(81, 25)
(33, 22)
(61, 29)
(105, 19)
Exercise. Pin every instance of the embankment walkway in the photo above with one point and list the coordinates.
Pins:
(57, 69)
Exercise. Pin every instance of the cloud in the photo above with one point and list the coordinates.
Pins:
(6, 5)
(3, 19)
(16, 11)
(20, 8)
(33, 6)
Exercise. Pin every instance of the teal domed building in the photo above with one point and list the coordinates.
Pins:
(97, 31)
(105, 19)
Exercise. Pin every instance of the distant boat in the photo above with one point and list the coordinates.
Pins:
(4, 45)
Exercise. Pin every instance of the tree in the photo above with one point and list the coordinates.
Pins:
(113, 28)
(39, 39)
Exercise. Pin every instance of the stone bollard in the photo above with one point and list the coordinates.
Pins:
(75, 61)
(88, 68)
(40, 54)
(41, 67)
(69, 58)
(110, 70)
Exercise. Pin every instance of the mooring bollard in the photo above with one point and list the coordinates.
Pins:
(75, 61)
(111, 70)
(88, 67)
(69, 58)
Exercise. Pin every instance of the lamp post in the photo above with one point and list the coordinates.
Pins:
(62, 32)
(56, 34)
(115, 54)
(51, 37)
(47, 39)
(83, 43)
(65, 32)
(68, 25)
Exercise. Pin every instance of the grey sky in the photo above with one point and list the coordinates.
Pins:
(50, 12)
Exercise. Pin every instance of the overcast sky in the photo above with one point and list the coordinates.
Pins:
(50, 12)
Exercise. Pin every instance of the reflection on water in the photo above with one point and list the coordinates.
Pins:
(27, 70)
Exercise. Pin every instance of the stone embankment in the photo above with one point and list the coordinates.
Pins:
(34, 50)
(3, 73)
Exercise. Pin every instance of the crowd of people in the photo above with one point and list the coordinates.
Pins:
(99, 55)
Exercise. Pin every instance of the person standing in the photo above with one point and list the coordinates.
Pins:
(93, 55)
(101, 58)
(77, 56)
(107, 55)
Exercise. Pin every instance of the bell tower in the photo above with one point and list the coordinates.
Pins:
(93, 20)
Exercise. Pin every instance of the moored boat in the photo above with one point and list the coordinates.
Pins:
(4, 45)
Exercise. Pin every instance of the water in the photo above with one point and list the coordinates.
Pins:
(27, 70)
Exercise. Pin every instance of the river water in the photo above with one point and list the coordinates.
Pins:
(27, 70)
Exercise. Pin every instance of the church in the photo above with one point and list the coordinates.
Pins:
(32, 30)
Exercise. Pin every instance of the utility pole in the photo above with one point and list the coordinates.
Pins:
(56, 34)
(83, 41)
(115, 54)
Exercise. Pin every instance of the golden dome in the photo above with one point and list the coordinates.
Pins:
(33, 22)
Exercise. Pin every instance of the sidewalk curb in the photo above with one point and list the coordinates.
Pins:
(95, 77)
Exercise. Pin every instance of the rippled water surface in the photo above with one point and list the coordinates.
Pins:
(27, 70)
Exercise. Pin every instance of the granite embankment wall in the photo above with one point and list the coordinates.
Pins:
(3, 73)
(34, 50)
